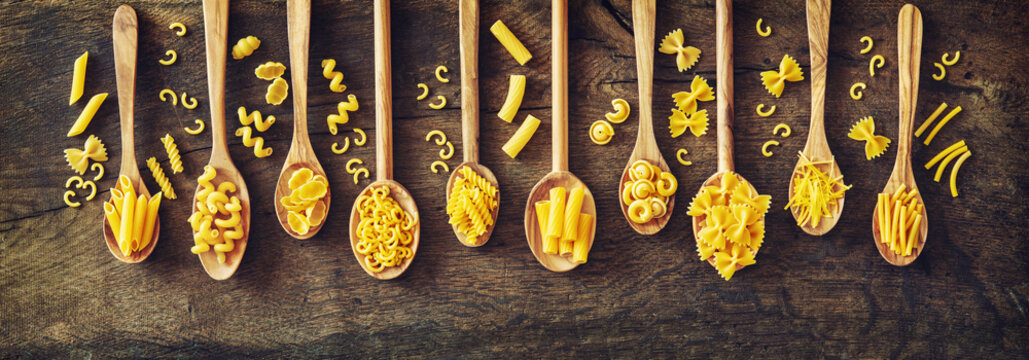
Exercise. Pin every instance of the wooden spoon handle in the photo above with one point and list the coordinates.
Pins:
(559, 84)
(818, 43)
(125, 41)
(723, 39)
(383, 94)
(216, 25)
(298, 13)
(909, 54)
(643, 30)
(469, 34)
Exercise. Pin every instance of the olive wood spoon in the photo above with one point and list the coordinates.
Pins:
(469, 33)
(817, 147)
(559, 174)
(125, 30)
(384, 147)
(301, 154)
(646, 144)
(909, 54)
(723, 41)
(216, 25)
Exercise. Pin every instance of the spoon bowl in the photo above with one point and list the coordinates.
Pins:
(406, 202)
(825, 224)
(716, 180)
(226, 171)
(540, 192)
(488, 175)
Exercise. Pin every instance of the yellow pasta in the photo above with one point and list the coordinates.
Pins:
(932, 134)
(946, 160)
(245, 46)
(555, 218)
(447, 153)
(343, 115)
(439, 76)
(442, 137)
(161, 178)
(521, 136)
(336, 77)
(99, 168)
(187, 104)
(762, 113)
(877, 62)
(782, 126)
(74, 179)
(150, 219)
(699, 91)
(471, 203)
(277, 92)
(731, 218)
(78, 78)
(866, 39)
(360, 171)
(364, 137)
(943, 72)
(864, 130)
(113, 218)
(78, 160)
(957, 55)
(442, 102)
(573, 207)
(515, 92)
(261, 123)
(165, 92)
(679, 122)
(270, 70)
(929, 121)
(775, 81)
(138, 221)
(67, 199)
(621, 111)
(764, 147)
(181, 28)
(173, 153)
(306, 193)
(647, 192)
(351, 163)
(943, 153)
(899, 220)
(855, 93)
(763, 32)
(675, 44)
(601, 132)
(815, 193)
(385, 231)
(679, 155)
(580, 249)
(87, 114)
(339, 151)
(510, 42)
(954, 172)
(217, 218)
(170, 61)
(439, 164)
(127, 218)
(199, 128)
(256, 142)
(92, 189)
(425, 91)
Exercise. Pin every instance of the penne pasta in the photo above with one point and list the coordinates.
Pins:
(87, 114)
(78, 79)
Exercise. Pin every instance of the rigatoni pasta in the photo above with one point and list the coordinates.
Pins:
(510, 42)
(515, 92)
(521, 137)
(563, 227)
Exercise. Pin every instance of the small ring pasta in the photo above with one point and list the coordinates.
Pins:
(443, 102)
(855, 93)
(762, 113)
(340, 151)
(877, 62)
(350, 164)
(679, 156)
(173, 55)
(766, 31)
(437, 164)
(957, 55)
(443, 154)
(440, 77)
(364, 137)
(442, 137)
(199, 129)
(425, 91)
(180, 26)
(92, 189)
(621, 111)
(174, 97)
(942, 74)
(188, 105)
(764, 147)
(601, 132)
(868, 47)
(74, 179)
(358, 174)
(67, 199)
(782, 126)
(99, 168)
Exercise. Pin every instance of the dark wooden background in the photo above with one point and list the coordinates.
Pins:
(63, 295)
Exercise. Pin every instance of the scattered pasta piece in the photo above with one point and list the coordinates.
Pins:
(444, 154)
(99, 168)
(471, 203)
(877, 62)
(601, 132)
(946, 119)
(855, 93)
(364, 137)
(699, 91)
(510, 42)
(866, 39)
(442, 137)
(565, 229)
(732, 226)
(174, 96)
(350, 163)
(679, 122)
(340, 151)
(946, 160)
(77, 180)
(943, 72)
(86, 116)
(762, 113)
(357, 174)
(251, 141)
(679, 155)
(425, 91)
(521, 136)
(943, 153)
(270, 70)
(245, 46)
(385, 231)
(864, 130)
(899, 220)
(675, 43)
(67, 199)
(199, 128)
(173, 153)
(217, 220)
(957, 55)
(78, 160)
(343, 115)
(954, 172)
(647, 192)
(786, 130)
(442, 103)
(336, 77)
(929, 121)
(304, 205)
(189, 105)
(180, 26)
(775, 81)
(621, 111)
(277, 91)
(763, 32)
(439, 76)
(174, 56)
(92, 189)
(78, 78)
(439, 164)
(161, 178)
(764, 147)
(515, 91)
(816, 194)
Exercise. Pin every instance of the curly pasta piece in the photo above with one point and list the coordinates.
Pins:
(601, 132)
(943, 72)
(78, 78)
(357, 174)
(954, 172)
(876, 62)
(442, 137)
(864, 130)
(763, 32)
(762, 113)
(364, 137)
(87, 114)
(189, 105)
(439, 76)
(67, 199)
(270, 70)
(161, 178)
(261, 123)
(675, 44)
(339, 151)
(699, 91)
(256, 142)
(621, 111)
(180, 26)
(679, 122)
(350, 163)
(854, 92)
(439, 164)
(173, 153)
(868, 47)
(775, 81)
(174, 96)
(510, 42)
(174, 56)
(78, 160)
(425, 91)
(277, 91)
(199, 128)
(442, 102)
(782, 126)
(343, 116)
(470, 204)
(679, 155)
(99, 168)
(957, 55)
(336, 77)
(443, 154)
(764, 147)
(245, 46)
(515, 92)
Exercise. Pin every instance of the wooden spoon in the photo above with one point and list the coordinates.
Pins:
(723, 40)
(384, 148)
(817, 147)
(909, 54)
(301, 154)
(559, 174)
(469, 14)
(216, 24)
(125, 30)
(646, 144)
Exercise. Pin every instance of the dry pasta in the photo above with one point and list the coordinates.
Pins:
(763, 32)
(510, 42)
(679, 122)
(816, 194)
(99, 168)
(189, 105)
(764, 147)
(471, 203)
(161, 178)
(438, 164)
(67, 199)
(866, 39)
(877, 62)
(442, 102)
(447, 153)
(343, 116)
(304, 205)
(621, 111)
(256, 142)
(277, 92)
(564, 228)
(929, 121)
(217, 217)
(699, 91)
(439, 76)
(181, 28)
(87, 114)
(864, 130)
(442, 137)
(339, 151)
(245, 46)
(946, 160)
(174, 56)
(601, 132)
(199, 128)
(131, 216)
(957, 55)
(764, 113)
(775, 81)
(78, 78)
(899, 220)
(675, 44)
(936, 129)
(954, 173)
(679, 155)
(270, 70)
(261, 123)
(647, 192)
(425, 91)
(336, 77)
(173, 153)
(943, 153)
(943, 72)
(521, 136)
(357, 174)
(351, 163)
(385, 231)
(174, 97)
(515, 92)
(732, 226)
(855, 93)
(782, 126)
(364, 137)
(78, 160)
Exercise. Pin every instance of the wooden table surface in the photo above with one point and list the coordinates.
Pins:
(62, 294)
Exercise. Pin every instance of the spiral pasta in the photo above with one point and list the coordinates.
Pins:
(173, 153)
(775, 81)
(217, 220)
(343, 116)
(277, 91)
(336, 77)
(471, 203)
(675, 44)
(256, 142)
(161, 178)
(270, 70)
(699, 91)
(245, 46)
(385, 231)
(646, 194)
(78, 160)
(261, 123)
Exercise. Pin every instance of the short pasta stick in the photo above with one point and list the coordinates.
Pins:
(954, 173)
(785, 128)
(113, 219)
(192, 104)
(946, 160)
(197, 130)
(78, 78)
(944, 153)
(762, 112)
(165, 92)
(581, 247)
(125, 231)
(442, 102)
(174, 56)
(866, 39)
(521, 137)
(876, 62)
(436, 165)
(932, 134)
(441, 69)
(510, 42)
(763, 32)
(447, 153)
(943, 72)
(515, 92)
(856, 93)
(180, 26)
(138, 221)
(929, 121)
(86, 116)
(957, 55)
(150, 219)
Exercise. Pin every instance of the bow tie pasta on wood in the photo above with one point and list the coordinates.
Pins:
(685, 56)
(732, 228)
(864, 130)
(94, 150)
(775, 81)
(699, 91)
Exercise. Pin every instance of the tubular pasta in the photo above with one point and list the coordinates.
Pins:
(697, 123)
(261, 123)
(87, 114)
(173, 153)
(675, 43)
(199, 128)
(425, 91)
(764, 147)
(766, 31)
(359, 172)
(270, 70)
(277, 92)
(92, 189)
(173, 55)
(929, 121)
(343, 116)
(515, 92)
(877, 62)
(94, 150)
(180, 26)
(174, 96)
(868, 47)
(442, 103)
(351, 163)
(957, 55)
(601, 132)
(440, 77)
(762, 113)
(621, 111)
(943, 72)
(336, 77)
(161, 178)
(340, 151)
(946, 160)
(443, 154)
(775, 81)
(939, 125)
(855, 93)
(187, 104)
(580, 248)
(256, 142)
(521, 136)
(782, 126)
(99, 168)
(555, 217)
(74, 179)
(78, 78)
(439, 164)
(442, 137)
(699, 91)
(954, 172)
(943, 153)
(679, 156)
(510, 42)
(245, 46)
(864, 130)
(364, 137)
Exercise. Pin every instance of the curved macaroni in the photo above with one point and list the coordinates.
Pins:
(78, 78)
(943, 72)
(270, 70)
(762, 113)
(358, 173)
(343, 116)
(439, 77)
(161, 178)
(277, 92)
(442, 103)
(855, 93)
(679, 156)
(954, 172)
(174, 96)
(944, 121)
(876, 62)
(775, 81)
(189, 105)
(443, 154)
(437, 164)
(425, 91)
(245, 46)
(67, 195)
(351, 163)
(957, 55)
(868, 47)
(601, 132)
(621, 111)
(385, 231)
(86, 116)
(864, 130)
(699, 91)
(336, 77)
(339, 151)
(510, 42)
(364, 137)
(92, 189)
(180, 26)
(767, 30)
(174, 56)
(261, 123)
(74, 179)
(471, 203)
(675, 44)
(697, 123)
(782, 126)
(78, 160)
(442, 137)
(764, 147)
(521, 136)
(515, 92)
(99, 168)
(173, 153)
(251, 141)
(199, 128)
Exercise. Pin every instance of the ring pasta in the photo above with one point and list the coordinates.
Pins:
(943, 72)
(425, 91)
(256, 142)
(439, 76)
(876, 62)
(173, 153)
(515, 92)
(786, 130)
(866, 39)
(521, 136)
(261, 123)
(99, 168)
(957, 55)
(67, 199)
(444, 154)
(601, 132)
(270, 70)
(439, 164)
(775, 81)
(245, 46)
(357, 174)
(764, 147)
(364, 137)
(161, 178)
(351, 163)
(277, 92)
(335, 77)
(762, 113)
(174, 97)
(944, 121)
(929, 121)
(763, 32)
(342, 115)
(621, 111)
(86, 116)
(954, 172)
(340, 151)
(510, 42)
(199, 128)
(78, 78)
(675, 44)
(442, 137)
(442, 103)
(856, 93)
(189, 105)
(174, 56)
(680, 155)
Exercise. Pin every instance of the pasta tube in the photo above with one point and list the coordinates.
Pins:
(113, 219)
(510, 42)
(581, 249)
(572, 210)
(542, 213)
(125, 230)
(87, 114)
(554, 220)
(151, 219)
(515, 92)
(521, 137)
(138, 219)
(78, 78)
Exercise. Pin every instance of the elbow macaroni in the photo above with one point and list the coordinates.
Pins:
(199, 128)
(173, 55)
(440, 77)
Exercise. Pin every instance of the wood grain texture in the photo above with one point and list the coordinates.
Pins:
(967, 296)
